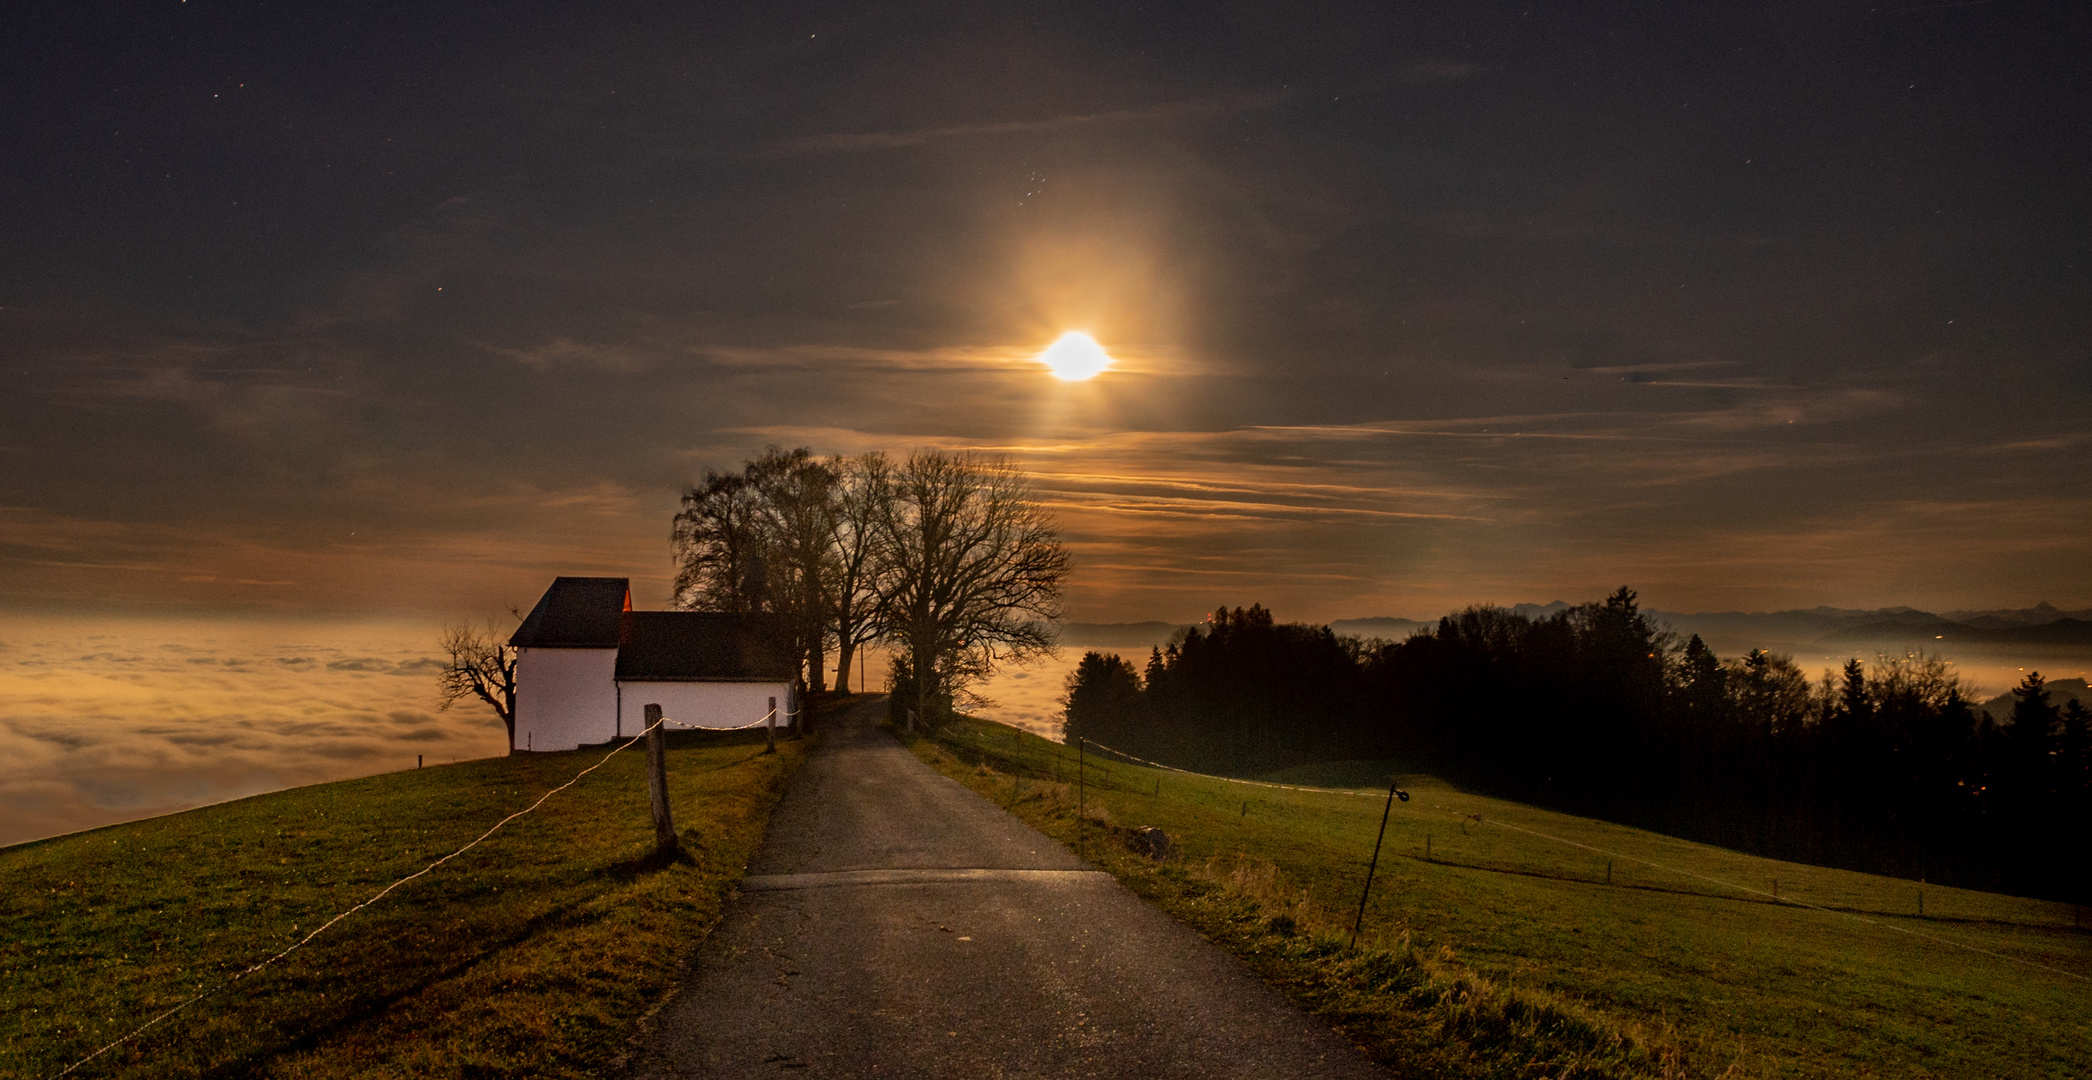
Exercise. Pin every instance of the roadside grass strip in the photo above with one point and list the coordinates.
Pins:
(534, 950)
(1498, 942)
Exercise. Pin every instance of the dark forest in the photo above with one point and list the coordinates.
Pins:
(1885, 766)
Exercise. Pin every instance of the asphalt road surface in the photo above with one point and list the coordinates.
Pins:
(895, 924)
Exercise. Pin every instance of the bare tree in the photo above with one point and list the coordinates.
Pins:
(762, 541)
(861, 499)
(795, 507)
(718, 546)
(973, 572)
(482, 665)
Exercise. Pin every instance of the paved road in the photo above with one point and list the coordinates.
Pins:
(895, 924)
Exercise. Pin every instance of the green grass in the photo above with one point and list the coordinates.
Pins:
(534, 954)
(1508, 954)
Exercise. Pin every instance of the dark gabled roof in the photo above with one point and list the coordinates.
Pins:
(686, 646)
(576, 613)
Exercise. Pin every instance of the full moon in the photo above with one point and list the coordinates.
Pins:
(1075, 357)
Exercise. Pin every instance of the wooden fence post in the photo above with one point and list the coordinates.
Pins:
(657, 780)
(770, 729)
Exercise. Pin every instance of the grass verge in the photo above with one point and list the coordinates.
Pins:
(534, 954)
(1517, 954)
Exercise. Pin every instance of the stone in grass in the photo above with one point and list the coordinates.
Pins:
(1151, 842)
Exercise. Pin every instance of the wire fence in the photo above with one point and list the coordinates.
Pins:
(1492, 821)
(381, 894)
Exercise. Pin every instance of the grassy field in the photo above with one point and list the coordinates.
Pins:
(1517, 953)
(534, 954)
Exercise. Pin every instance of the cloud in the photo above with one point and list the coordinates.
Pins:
(1166, 112)
(618, 359)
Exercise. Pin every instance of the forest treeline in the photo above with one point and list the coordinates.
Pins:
(1884, 766)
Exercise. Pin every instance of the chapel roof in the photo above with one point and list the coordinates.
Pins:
(576, 613)
(693, 646)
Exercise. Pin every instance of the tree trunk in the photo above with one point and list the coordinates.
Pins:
(816, 664)
(844, 650)
(923, 663)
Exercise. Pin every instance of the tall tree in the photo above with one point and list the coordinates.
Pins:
(719, 549)
(2074, 746)
(761, 541)
(482, 665)
(795, 513)
(863, 490)
(1102, 694)
(1701, 683)
(973, 572)
(1770, 691)
(2031, 738)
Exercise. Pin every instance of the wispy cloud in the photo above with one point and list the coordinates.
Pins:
(1164, 112)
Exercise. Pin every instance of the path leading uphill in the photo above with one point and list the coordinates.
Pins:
(895, 924)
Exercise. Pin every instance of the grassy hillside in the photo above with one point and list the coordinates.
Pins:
(1508, 953)
(533, 954)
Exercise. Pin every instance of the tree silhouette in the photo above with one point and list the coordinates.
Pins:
(862, 494)
(482, 665)
(972, 573)
(1101, 701)
(719, 549)
(796, 508)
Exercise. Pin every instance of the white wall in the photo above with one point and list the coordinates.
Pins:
(706, 704)
(565, 698)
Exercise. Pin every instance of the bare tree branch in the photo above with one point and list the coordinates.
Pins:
(972, 572)
(482, 665)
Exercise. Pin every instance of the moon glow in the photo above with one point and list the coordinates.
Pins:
(1075, 357)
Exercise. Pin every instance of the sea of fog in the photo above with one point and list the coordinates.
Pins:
(107, 720)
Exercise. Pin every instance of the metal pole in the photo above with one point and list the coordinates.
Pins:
(657, 780)
(1372, 866)
(770, 729)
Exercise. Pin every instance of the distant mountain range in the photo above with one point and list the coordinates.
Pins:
(1121, 634)
(1387, 626)
(2042, 624)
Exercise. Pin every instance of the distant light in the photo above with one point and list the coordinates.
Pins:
(1075, 357)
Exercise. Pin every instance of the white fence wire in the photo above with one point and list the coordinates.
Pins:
(1498, 823)
(387, 890)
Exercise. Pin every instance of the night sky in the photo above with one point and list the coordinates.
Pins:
(401, 309)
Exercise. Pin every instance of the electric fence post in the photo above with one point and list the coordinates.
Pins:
(1081, 796)
(1375, 864)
